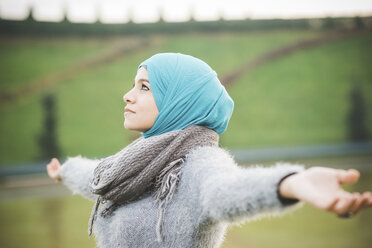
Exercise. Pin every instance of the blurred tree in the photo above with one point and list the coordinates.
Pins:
(356, 119)
(359, 22)
(48, 140)
(65, 19)
(30, 17)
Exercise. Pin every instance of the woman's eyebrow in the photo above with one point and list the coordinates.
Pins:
(143, 79)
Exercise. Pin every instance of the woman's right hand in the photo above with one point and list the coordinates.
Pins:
(321, 188)
(54, 169)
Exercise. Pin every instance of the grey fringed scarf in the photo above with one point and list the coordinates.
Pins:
(151, 164)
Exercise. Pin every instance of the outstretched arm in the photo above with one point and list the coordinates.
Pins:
(245, 192)
(75, 173)
(229, 192)
(321, 188)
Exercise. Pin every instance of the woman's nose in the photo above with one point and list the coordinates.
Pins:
(128, 97)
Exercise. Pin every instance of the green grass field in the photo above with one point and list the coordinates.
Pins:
(25, 60)
(298, 99)
(303, 98)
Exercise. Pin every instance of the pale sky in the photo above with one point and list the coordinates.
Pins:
(118, 11)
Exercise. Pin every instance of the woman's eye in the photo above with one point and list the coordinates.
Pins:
(144, 87)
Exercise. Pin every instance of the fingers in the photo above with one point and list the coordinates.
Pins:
(53, 164)
(53, 169)
(367, 203)
(347, 176)
(54, 161)
(357, 204)
(351, 203)
(345, 203)
(330, 206)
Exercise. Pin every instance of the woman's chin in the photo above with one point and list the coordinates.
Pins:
(132, 128)
(126, 126)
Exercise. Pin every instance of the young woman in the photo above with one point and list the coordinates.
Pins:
(174, 187)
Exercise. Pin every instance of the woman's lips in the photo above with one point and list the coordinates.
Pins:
(127, 110)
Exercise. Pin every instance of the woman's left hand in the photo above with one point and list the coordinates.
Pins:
(321, 188)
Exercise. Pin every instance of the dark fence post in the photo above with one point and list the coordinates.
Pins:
(356, 119)
(48, 139)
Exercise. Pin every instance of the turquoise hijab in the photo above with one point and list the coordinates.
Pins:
(187, 92)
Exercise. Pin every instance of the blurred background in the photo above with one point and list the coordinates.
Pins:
(300, 74)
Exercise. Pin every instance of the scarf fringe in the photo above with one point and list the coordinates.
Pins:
(93, 215)
(106, 212)
(170, 176)
(166, 183)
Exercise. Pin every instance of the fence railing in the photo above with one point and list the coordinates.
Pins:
(302, 152)
(240, 155)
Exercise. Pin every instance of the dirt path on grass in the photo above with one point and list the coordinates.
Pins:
(231, 77)
(116, 51)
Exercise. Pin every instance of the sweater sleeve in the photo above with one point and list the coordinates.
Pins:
(76, 174)
(231, 193)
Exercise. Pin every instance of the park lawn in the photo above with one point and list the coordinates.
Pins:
(24, 60)
(225, 52)
(303, 98)
(90, 107)
(51, 222)
(305, 228)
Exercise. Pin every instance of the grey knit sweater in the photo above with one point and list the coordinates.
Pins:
(213, 192)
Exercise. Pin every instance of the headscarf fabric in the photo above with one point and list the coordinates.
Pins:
(187, 92)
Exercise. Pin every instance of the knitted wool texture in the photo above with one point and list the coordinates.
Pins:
(213, 192)
(145, 164)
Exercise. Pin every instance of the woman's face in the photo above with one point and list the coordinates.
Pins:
(141, 110)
